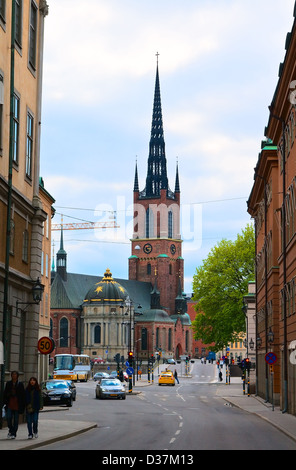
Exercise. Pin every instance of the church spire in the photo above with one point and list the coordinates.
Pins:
(136, 182)
(177, 185)
(62, 258)
(157, 169)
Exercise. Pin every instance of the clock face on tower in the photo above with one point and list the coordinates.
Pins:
(147, 248)
(173, 249)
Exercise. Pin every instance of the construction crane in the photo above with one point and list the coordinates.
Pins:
(85, 225)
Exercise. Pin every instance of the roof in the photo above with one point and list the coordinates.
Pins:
(71, 293)
(106, 291)
(155, 315)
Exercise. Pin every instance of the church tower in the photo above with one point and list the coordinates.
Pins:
(156, 242)
(62, 259)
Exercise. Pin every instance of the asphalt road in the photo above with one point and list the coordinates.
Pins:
(188, 417)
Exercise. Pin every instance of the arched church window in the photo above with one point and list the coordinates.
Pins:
(148, 268)
(64, 332)
(149, 223)
(144, 337)
(170, 224)
(97, 333)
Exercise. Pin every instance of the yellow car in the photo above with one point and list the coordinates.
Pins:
(166, 378)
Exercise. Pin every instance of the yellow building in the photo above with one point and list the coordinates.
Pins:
(23, 211)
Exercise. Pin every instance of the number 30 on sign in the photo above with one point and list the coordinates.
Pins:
(45, 345)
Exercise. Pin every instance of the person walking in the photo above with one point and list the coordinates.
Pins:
(14, 401)
(176, 376)
(34, 403)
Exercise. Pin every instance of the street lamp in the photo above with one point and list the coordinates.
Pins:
(259, 341)
(129, 303)
(251, 344)
(270, 336)
(37, 292)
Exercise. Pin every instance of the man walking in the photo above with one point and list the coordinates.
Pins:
(176, 376)
(14, 401)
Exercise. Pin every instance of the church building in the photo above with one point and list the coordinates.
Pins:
(147, 314)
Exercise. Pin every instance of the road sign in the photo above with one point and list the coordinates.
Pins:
(45, 345)
(270, 358)
(130, 371)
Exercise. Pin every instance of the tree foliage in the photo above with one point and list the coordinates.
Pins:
(219, 286)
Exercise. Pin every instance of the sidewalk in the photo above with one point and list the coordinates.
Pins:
(51, 431)
(233, 394)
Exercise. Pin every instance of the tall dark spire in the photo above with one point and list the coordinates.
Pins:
(62, 258)
(177, 184)
(157, 170)
(136, 182)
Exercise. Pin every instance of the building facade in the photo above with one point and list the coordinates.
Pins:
(272, 205)
(22, 214)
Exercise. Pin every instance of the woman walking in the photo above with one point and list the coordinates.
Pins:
(34, 403)
(14, 401)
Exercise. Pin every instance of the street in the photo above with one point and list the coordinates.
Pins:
(189, 416)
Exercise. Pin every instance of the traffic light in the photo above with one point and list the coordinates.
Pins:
(247, 364)
(152, 359)
(130, 358)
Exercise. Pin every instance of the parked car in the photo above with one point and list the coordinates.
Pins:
(98, 360)
(110, 388)
(58, 392)
(100, 375)
(170, 361)
(166, 378)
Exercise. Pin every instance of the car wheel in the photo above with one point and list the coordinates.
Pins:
(70, 403)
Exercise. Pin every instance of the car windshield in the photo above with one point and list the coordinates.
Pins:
(54, 385)
(110, 382)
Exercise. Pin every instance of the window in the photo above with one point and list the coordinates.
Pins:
(2, 10)
(144, 339)
(15, 124)
(25, 246)
(170, 339)
(18, 22)
(170, 224)
(64, 333)
(147, 223)
(1, 110)
(148, 268)
(29, 145)
(97, 334)
(33, 35)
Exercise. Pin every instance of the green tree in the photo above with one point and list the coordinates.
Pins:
(219, 286)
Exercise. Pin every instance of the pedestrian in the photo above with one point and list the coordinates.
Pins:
(14, 401)
(176, 376)
(34, 403)
(220, 376)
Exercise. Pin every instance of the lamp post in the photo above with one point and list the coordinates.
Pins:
(129, 304)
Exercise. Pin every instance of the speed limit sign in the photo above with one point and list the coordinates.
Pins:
(45, 345)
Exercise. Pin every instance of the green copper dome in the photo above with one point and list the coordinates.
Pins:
(106, 291)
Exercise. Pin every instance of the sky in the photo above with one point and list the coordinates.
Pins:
(218, 69)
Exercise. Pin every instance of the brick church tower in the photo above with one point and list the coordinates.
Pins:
(156, 244)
